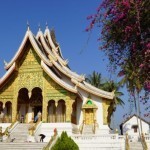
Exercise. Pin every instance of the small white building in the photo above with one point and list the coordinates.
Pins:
(131, 127)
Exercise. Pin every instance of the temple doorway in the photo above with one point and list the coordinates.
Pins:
(22, 105)
(89, 112)
(37, 109)
(89, 116)
(36, 101)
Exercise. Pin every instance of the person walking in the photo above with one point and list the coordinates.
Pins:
(42, 137)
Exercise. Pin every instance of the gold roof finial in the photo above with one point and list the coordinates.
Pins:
(39, 26)
(5, 63)
(46, 25)
(28, 26)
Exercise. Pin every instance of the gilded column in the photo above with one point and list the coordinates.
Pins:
(83, 115)
(55, 110)
(70, 100)
(44, 102)
(94, 112)
(44, 111)
(14, 110)
(106, 104)
(26, 117)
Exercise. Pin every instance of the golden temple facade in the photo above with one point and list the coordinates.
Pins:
(38, 79)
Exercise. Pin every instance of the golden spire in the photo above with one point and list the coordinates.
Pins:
(39, 27)
(28, 26)
(46, 25)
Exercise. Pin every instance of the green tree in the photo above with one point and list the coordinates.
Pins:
(94, 79)
(133, 84)
(124, 34)
(112, 86)
(65, 143)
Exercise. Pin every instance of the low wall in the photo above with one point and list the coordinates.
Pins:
(100, 142)
(4, 126)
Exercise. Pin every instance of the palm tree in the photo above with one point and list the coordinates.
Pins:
(94, 79)
(112, 86)
(134, 86)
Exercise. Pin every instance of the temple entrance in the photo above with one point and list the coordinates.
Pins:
(89, 116)
(36, 100)
(89, 112)
(22, 105)
(36, 110)
(29, 106)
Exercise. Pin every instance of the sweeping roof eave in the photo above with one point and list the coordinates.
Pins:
(32, 39)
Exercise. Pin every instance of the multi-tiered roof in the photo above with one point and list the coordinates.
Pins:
(53, 63)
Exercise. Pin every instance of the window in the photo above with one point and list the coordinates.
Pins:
(135, 127)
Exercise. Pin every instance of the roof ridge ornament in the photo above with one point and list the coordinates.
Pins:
(46, 25)
(28, 25)
(5, 63)
(39, 27)
(66, 61)
(83, 76)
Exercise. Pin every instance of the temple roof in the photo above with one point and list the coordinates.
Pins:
(49, 52)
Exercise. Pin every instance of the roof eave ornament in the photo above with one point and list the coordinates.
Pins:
(66, 61)
(28, 26)
(46, 25)
(5, 63)
(39, 27)
(83, 76)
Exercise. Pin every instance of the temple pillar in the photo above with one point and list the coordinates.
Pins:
(70, 100)
(44, 111)
(26, 115)
(83, 115)
(105, 104)
(14, 111)
(56, 104)
(94, 113)
(29, 94)
(3, 105)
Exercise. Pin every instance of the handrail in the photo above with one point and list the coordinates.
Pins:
(53, 138)
(94, 130)
(82, 126)
(33, 127)
(127, 147)
(7, 132)
(37, 127)
(144, 144)
(8, 128)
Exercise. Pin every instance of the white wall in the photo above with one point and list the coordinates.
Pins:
(127, 126)
(99, 112)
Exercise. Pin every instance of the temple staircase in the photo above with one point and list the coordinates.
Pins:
(135, 146)
(20, 133)
(87, 129)
(21, 146)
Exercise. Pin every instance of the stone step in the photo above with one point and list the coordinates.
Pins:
(20, 133)
(88, 129)
(135, 146)
(22, 146)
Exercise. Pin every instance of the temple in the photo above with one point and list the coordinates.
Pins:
(39, 79)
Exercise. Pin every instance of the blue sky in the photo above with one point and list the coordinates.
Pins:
(68, 18)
